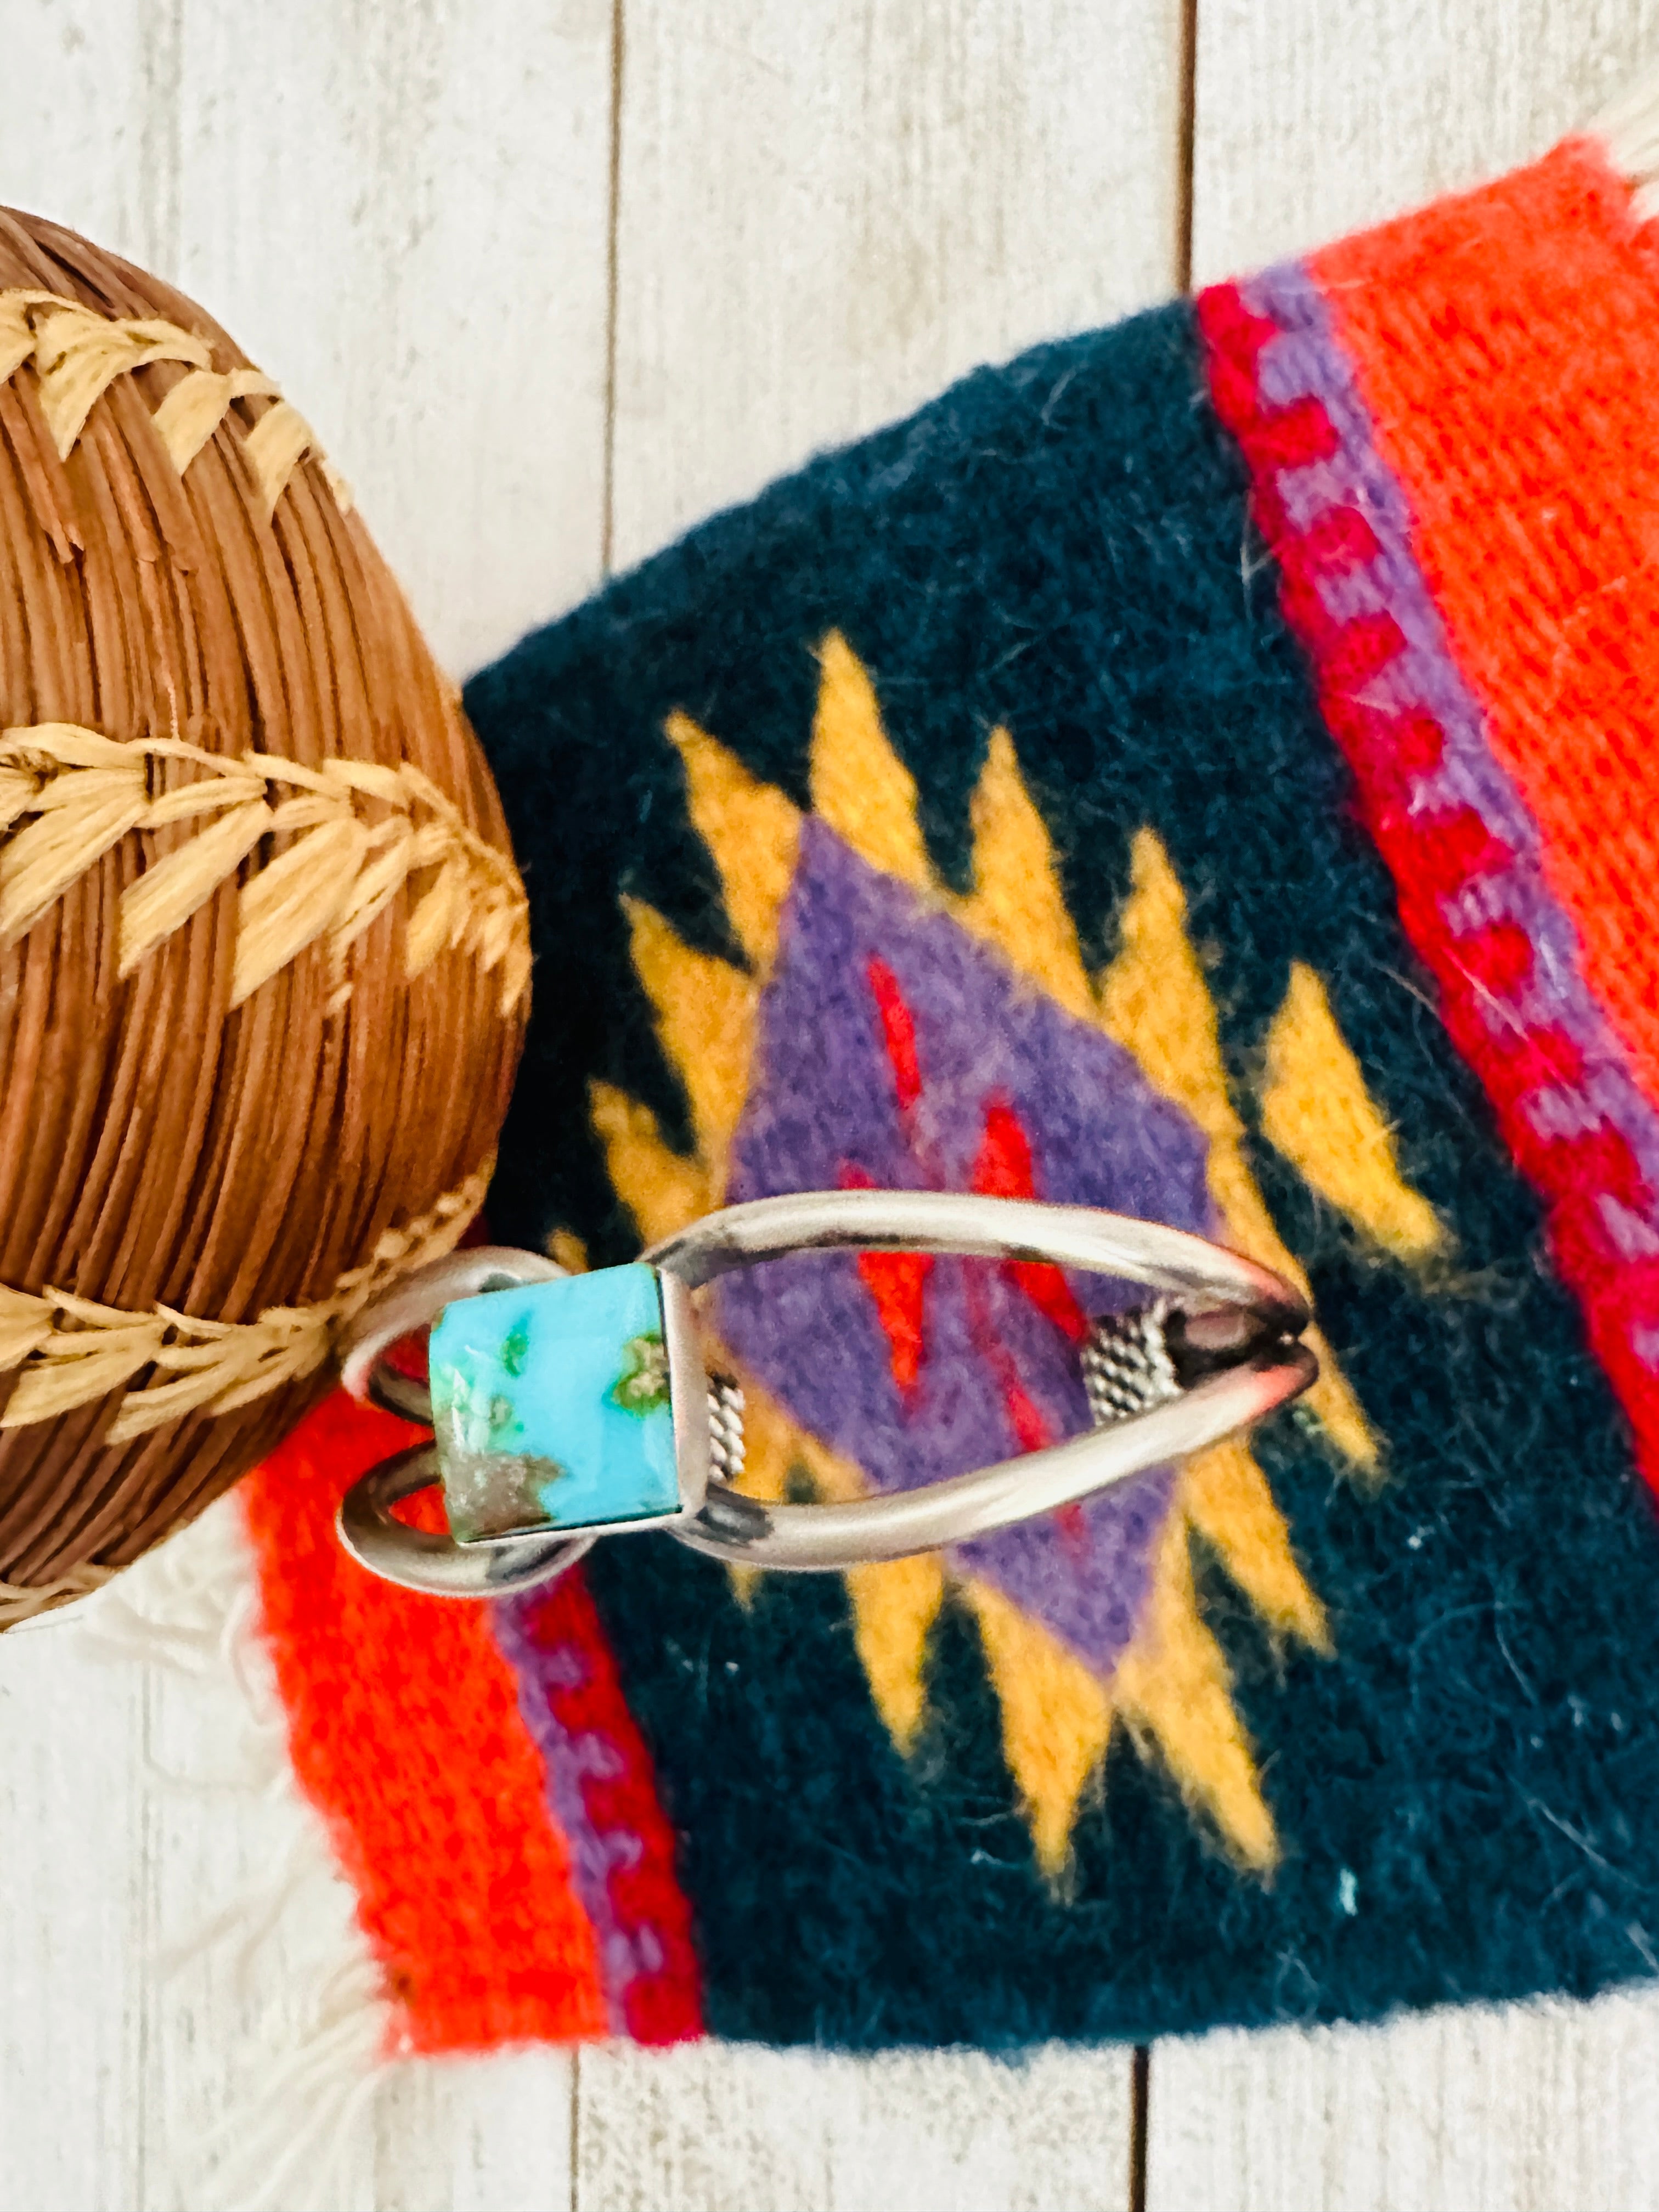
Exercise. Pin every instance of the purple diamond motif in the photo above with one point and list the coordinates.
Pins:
(894, 1049)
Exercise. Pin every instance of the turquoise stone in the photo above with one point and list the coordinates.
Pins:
(549, 1406)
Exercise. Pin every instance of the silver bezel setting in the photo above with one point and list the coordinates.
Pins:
(688, 1398)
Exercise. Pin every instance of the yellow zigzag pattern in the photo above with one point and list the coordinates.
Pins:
(1170, 1690)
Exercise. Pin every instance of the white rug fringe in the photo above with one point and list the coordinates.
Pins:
(1629, 128)
(303, 2139)
(307, 2139)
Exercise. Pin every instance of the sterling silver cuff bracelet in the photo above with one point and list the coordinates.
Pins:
(566, 1407)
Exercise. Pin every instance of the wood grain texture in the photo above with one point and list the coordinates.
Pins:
(1317, 117)
(77, 2114)
(154, 1988)
(409, 231)
(1522, 2108)
(477, 2134)
(830, 210)
(133, 1828)
(711, 2127)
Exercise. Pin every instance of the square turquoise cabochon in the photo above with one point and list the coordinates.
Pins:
(551, 1405)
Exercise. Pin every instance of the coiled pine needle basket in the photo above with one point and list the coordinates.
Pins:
(264, 953)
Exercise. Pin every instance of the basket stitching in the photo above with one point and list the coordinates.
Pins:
(77, 353)
(70, 1352)
(76, 794)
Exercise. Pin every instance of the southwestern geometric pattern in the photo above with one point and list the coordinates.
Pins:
(1205, 768)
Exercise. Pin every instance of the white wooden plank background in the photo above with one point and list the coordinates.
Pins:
(829, 211)
(1317, 117)
(552, 283)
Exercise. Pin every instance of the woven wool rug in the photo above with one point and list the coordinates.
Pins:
(1206, 769)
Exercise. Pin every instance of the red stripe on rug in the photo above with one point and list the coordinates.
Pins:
(405, 1733)
(1506, 346)
(1468, 861)
(604, 1793)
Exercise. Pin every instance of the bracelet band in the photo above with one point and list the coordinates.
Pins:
(654, 1442)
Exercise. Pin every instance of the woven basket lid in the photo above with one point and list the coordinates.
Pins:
(264, 959)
